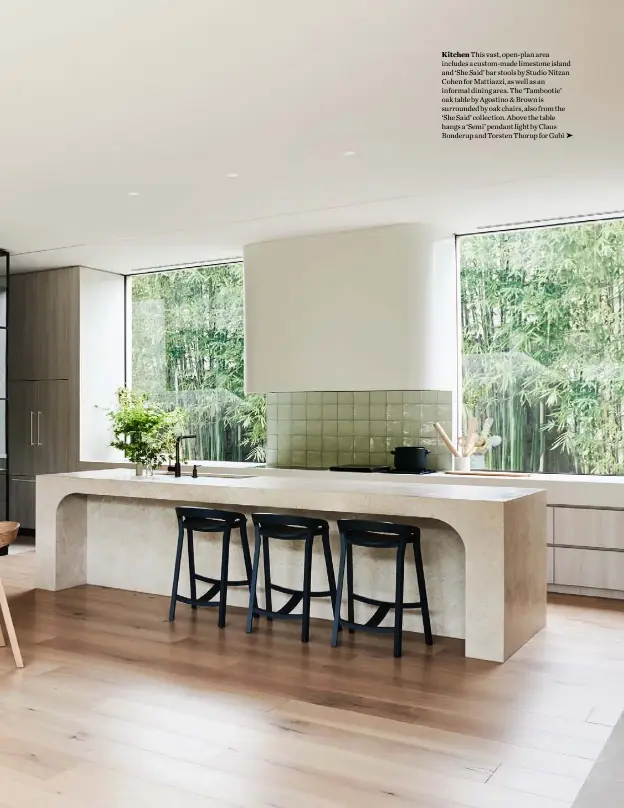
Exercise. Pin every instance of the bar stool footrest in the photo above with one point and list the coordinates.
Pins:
(213, 581)
(280, 615)
(373, 628)
(285, 590)
(390, 604)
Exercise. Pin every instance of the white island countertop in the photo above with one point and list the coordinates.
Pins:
(503, 530)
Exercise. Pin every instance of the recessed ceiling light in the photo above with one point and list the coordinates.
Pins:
(349, 154)
(232, 176)
(133, 193)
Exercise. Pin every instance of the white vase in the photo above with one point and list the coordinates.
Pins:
(139, 470)
(461, 464)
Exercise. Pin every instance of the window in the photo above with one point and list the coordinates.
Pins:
(187, 351)
(542, 314)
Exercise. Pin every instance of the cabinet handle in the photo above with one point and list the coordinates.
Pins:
(39, 441)
(32, 436)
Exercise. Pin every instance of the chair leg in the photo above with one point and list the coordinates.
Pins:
(254, 583)
(350, 604)
(422, 588)
(339, 585)
(307, 587)
(225, 563)
(329, 564)
(190, 545)
(398, 601)
(247, 557)
(268, 598)
(10, 629)
(176, 572)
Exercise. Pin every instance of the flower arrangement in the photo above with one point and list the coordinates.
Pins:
(484, 441)
(143, 431)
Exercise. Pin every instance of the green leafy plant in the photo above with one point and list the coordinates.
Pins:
(250, 414)
(144, 431)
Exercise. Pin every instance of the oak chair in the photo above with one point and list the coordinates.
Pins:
(8, 534)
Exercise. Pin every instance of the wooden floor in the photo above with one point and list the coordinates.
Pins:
(118, 708)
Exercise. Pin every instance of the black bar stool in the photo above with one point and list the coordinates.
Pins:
(364, 533)
(208, 520)
(289, 528)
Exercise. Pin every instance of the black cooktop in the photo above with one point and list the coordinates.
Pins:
(377, 470)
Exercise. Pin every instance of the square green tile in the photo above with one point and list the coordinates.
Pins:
(271, 412)
(345, 458)
(394, 428)
(299, 398)
(314, 427)
(361, 445)
(394, 397)
(329, 427)
(330, 412)
(361, 428)
(428, 412)
(284, 442)
(271, 442)
(345, 444)
(378, 458)
(271, 398)
(313, 459)
(377, 444)
(430, 397)
(330, 398)
(272, 426)
(378, 412)
(284, 412)
(445, 412)
(411, 412)
(299, 458)
(361, 397)
(314, 398)
(394, 412)
(284, 427)
(378, 397)
(412, 397)
(361, 458)
(284, 398)
(345, 427)
(345, 412)
(299, 412)
(271, 457)
(299, 442)
(329, 459)
(330, 443)
(284, 458)
(361, 412)
(314, 412)
(445, 397)
(299, 427)
(345, 398)
(314, 443)
(378, 429)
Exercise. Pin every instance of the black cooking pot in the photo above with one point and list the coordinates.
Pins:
(410, 458)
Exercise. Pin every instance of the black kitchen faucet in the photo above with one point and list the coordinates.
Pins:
(177, 469)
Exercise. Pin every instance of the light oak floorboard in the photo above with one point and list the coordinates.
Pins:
(117, 707)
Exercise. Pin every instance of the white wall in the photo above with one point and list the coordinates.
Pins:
(358, 310)
(101, 360)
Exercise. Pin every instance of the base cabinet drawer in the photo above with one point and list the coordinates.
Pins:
(22, 501)
(589, 527)
(550, 565)
(597, 569)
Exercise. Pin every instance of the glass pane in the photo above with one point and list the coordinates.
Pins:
(187, 351)
(543, 346)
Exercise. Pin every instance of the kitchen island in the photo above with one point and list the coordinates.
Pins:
(484, 548)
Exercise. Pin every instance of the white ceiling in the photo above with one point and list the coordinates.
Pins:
(167, 97)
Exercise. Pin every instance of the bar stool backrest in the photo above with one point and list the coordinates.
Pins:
(286, 526)
(376, 534)
(207, 520)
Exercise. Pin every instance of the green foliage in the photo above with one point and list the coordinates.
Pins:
(188, 352)
(142, 430)
(543, 341)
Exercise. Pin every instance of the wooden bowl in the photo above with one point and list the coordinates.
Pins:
(8, 533)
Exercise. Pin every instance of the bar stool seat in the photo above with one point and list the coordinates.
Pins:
(386, 535)
(208, 520)
(285, 527)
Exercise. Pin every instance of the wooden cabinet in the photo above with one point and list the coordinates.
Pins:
(22, 501)
(39, 433)
(44, 332)
(589, 527)
(595, 569)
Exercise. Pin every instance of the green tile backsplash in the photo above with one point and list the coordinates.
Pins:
(317, 430)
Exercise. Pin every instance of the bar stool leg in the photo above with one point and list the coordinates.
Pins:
(247, 557)
(190, 541)
(339, 585)
(307, 587)
(398, 604)
(10, 629)
(176, 571)
(329, 564)
(254, 583)
(350, 604)
(268, 598)
(225, 562)
(422, 588)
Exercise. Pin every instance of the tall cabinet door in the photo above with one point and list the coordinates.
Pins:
(54, 303)
(23, 401)
(52, 427)
(25, 325)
